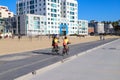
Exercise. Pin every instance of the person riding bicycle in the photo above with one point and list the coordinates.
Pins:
(55, 42)
(65, 42)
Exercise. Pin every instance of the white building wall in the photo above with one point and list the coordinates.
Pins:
(82, 27)
(70, 11)
(30, 24)
(54, 10)
(99, 27)
(5, 13)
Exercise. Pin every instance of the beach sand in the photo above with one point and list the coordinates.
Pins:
(11, 46)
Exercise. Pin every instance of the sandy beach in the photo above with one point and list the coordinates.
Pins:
(11, 46)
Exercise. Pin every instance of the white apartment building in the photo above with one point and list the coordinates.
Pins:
(83, 27)
(5, 13)
(61, 15)
(30, 24)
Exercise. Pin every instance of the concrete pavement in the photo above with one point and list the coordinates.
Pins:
(102, 63)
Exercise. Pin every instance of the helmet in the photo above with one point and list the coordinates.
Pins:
(65, 37)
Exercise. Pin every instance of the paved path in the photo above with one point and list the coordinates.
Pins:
(16, 65)
(100, 64)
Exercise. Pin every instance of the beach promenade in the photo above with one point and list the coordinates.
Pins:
(25, 65)
(10, 46)
(102, 63)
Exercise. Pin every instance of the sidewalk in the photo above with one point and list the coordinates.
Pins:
(100, 64)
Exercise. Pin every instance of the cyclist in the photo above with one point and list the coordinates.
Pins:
(65, 43)
(55, 42)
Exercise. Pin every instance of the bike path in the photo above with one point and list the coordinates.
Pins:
(16, 65)
(102, 63)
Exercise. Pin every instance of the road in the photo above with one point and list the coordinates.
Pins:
(15, 65)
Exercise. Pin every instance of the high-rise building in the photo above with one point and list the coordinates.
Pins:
(61, 15)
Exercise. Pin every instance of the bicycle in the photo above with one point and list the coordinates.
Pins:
(65, 50)
(55, 50)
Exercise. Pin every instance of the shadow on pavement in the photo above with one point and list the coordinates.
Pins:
(37, 52)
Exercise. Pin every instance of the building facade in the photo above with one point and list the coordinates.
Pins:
(11, 24)
(109, 29)
(31, 24)
(2, 28)
(90, 30)
(119, 22)
(99, 28)
(61, 15)
(83, 27)
(5, 13)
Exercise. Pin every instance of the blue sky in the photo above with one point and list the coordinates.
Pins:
(100, 10)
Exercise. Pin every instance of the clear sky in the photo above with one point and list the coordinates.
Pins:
(99, 10)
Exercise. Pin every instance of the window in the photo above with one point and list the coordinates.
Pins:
(53, 1)
(32, 2)
(43, 8)
(51, 22)
(53, 15)
(43, 3)
(71, 4)
(72, 13)
(53, 5)
(44, 14)
(53, 10)
(48, 22)
(48, 13)
(32, 7)
(64, 3)
(48, 18)
(32, 11)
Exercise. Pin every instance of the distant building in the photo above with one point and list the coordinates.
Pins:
(90, 30)
(30, 24)
(82, 27)
(1, 26)
(119, 22)
(91, 27)
(5, 13)
(108, 28)
(99, 27)
(11, 24)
